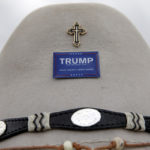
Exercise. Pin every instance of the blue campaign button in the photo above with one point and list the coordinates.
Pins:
(76, 64)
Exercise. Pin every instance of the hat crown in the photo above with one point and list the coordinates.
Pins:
(26, 67)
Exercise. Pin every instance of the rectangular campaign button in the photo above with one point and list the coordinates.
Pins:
(76, 65)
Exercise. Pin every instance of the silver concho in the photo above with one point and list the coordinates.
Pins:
(86, 117)
(2, 127)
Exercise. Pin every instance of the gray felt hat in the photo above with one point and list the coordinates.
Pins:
(27, 85)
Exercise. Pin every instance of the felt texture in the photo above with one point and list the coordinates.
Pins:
(26, 69)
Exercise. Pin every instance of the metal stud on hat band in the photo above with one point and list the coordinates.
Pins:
(2, 127)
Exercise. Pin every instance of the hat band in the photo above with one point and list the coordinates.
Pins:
(75, 119)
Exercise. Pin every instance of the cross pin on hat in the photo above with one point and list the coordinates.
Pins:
(76, 31)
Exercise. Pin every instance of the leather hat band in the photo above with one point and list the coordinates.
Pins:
(84, 119)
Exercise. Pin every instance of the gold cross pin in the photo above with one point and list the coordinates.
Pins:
(76, 30)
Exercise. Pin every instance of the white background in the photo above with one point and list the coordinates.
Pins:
(12, 12)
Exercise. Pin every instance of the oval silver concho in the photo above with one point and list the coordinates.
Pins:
(86, 117)
(2, 127)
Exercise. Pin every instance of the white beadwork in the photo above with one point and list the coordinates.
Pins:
(37, 121)
(135, 121)
(68, 145)
(119, 143)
